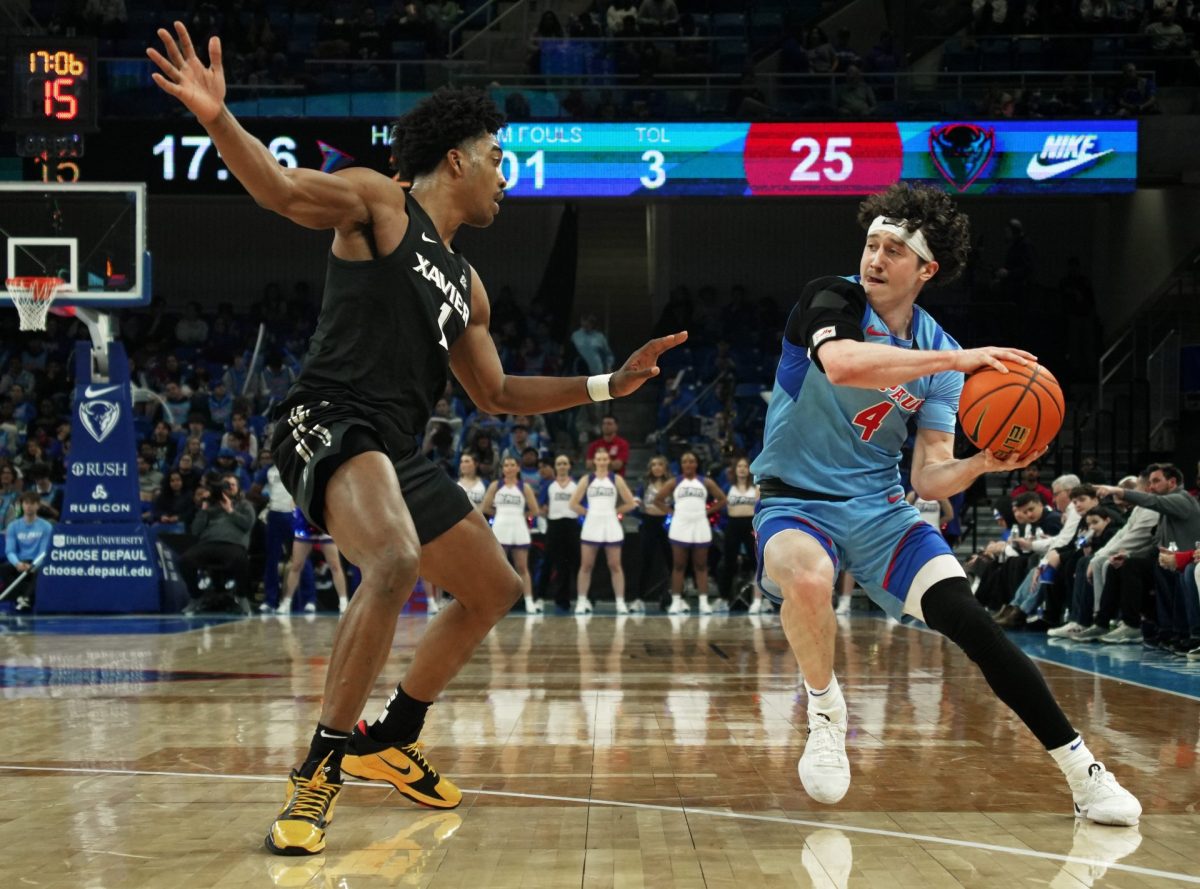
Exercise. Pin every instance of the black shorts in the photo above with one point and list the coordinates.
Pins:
(312, 441)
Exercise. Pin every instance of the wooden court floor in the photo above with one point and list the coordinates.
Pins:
(601, 751)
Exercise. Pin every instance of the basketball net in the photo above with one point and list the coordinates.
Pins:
(32, 297)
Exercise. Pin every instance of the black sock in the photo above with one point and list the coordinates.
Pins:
(326, 742)
(401, 720)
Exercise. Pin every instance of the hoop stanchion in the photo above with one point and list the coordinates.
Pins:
(32, 297)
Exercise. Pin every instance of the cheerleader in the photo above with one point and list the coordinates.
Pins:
(601, 528)
(304, 537)
(654, 551)
(690, 531)
(513, 504)
(562, 534)
(742, 500)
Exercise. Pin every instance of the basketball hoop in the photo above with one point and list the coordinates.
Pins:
(32, 297)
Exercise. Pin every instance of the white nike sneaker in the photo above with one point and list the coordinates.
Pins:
(1105, 801)
(583, 606)
(1067, 630)
(755, 607)
(824, 768)
(705, 607)
(532, 605)
(679, 606)
(622, 608)
(285, 606)
(637, 606)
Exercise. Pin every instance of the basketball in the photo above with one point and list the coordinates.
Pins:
(1011, 413)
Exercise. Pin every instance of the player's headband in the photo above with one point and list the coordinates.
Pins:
(898, 227)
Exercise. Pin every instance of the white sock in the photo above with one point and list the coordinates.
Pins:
(676, 599)
(1074, 759)
(828, 700)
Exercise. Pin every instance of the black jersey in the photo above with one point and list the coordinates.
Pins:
(381, 348)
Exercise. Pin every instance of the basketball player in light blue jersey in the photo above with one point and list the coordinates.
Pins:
(860, 360)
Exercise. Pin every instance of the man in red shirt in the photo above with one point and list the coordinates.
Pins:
(617, 447)
(1029, 482)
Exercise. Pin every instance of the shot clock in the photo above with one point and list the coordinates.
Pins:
(53, 101)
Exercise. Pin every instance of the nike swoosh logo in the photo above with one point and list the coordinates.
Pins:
(427, 239)
(1075, 746)
(325, 734)
(1039, 171)
(894, 498)
(89, 392)
(975, 432)
(871, 330)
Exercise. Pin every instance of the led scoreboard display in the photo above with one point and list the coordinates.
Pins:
(653, 160)
(53, 84)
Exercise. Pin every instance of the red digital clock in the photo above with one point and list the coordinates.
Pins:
(53, 85)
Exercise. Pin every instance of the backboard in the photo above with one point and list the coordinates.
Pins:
(92, 235)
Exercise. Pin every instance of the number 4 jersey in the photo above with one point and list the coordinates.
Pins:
(840, 440)
(381, 348)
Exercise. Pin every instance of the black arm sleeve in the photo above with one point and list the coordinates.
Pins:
(829, 308)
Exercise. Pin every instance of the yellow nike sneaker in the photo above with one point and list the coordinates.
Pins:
(299, 829)
(404, 767)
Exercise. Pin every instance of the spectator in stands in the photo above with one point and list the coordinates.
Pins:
(1136, 95)
(822, 59)
(612, 444)
(197, 428)
(236, 375)
(1166, 35)
(30, 455)
(10, 493)
(548, 28)
(1029, 482)
(175, 407)
(592, 346)
(368, 36)
(989, 16)
(589, 23)
(1095, 15)
(239, 426)
(193, 448)
(656, 17)
(174, 508)
(27, 541)
(1179, 523)
(883, 57)
(17, 375)
(222, 529)
(618, 13)
(24, 411)
(855, 96)
(149, 485)
(406, 20)
(846, 55)
(443, 15)
(50, 494)
(486, 458)
(275, 381)
(191, 330)
(190, 471)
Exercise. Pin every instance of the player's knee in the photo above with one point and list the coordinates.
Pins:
(395, 564)
(951, 609)
(805, 587)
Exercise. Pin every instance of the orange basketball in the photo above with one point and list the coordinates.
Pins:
(1014, 413)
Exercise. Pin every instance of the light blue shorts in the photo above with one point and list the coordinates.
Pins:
(879, 538)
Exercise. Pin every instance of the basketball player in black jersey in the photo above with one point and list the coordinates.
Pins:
(401, 307)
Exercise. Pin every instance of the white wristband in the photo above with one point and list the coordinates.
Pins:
(597, 387)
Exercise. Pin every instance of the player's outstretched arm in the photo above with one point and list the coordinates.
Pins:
(308, 197)
(878, 366)
(476, 364)
(938, 475)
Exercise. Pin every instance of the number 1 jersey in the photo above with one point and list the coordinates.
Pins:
(381, 348)
(840, 440)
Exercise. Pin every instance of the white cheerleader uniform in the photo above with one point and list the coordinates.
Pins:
(509, 525)
(558, 500)
(689, 523)
(741, 496)
(601, 527)
(475, 491)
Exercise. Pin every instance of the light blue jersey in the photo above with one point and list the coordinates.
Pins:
(844, 441)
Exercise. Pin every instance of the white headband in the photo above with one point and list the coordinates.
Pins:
(897, 227)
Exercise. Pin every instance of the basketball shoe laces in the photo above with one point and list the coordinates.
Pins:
(414, 753)
(1101, 784)
(825, 739)
(311, 797)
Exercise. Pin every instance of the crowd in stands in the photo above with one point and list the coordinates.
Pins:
(1089, 561)
(208, 487)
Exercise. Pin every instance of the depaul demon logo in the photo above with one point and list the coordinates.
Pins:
(960, 151)
(99, 418)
